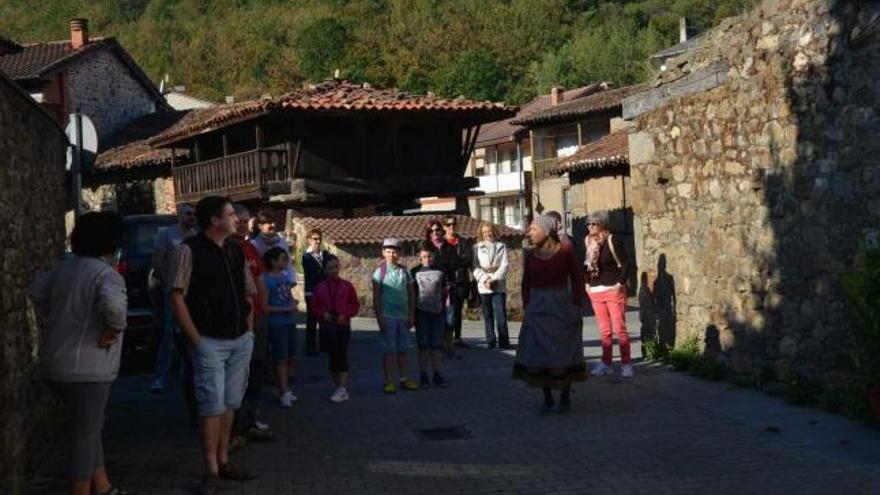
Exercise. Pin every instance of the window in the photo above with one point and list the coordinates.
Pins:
(504, 161)
(491, 161)
(513, 212)
(485, 209)
(566, 207)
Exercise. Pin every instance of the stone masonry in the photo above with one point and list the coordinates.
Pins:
(102, 78)
(751, 197)
(32, 203)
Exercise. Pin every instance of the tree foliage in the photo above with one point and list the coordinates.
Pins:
(496, 49)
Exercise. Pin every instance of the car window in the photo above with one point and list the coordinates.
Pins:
(141, 236)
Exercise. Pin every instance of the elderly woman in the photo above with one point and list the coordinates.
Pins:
(82, 303)
(607, 267)
(490, 272)
(550, 350)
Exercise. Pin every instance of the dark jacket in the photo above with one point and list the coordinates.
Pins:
(314, 271)
(217, 298)
(456, 261)
(609, 272)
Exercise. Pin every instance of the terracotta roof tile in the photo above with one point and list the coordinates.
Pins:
(597, 102)
(505, 129)
(35, 60)
(129, 148)
(372, 230)
(336, 96)
(612, 149)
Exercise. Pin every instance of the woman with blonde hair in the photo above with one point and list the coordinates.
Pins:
(607, 267)
(490, 273)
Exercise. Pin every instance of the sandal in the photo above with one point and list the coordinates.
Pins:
(232, 472)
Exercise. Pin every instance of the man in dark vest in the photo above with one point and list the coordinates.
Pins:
(313, 266)
(211, 298)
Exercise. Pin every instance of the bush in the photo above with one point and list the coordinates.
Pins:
(655, 349)
(681, 357)
(708, 367)
(861, 286)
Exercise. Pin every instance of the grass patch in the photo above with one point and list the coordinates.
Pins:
(655, 349)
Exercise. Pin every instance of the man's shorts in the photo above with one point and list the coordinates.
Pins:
(429, 330)
(395, 338)
(220, 372)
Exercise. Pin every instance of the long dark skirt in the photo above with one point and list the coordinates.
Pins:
(551, 343)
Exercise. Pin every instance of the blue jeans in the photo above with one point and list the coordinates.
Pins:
(165, 352)
(220, 373)
(395, 338)
(494, 308)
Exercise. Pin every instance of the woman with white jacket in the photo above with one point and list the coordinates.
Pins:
(490, 273)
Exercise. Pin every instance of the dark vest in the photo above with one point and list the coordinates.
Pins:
(216, 298)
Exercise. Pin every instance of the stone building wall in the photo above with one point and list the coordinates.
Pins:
(751, 197)
(32, 213)
(132, 197)
(102, 78)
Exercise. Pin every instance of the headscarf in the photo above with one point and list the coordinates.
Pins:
(548, 224)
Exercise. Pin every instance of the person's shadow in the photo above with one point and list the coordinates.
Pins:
(665, 303)
(647, 311)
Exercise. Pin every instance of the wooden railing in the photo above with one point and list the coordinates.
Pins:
(542, 167)
(240, 176)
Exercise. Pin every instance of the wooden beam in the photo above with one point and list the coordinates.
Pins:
(580, 135)
(258, 136)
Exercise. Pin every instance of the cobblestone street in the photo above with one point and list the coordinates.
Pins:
(662, 432)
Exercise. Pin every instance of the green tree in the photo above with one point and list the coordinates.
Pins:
(475, 75)
(322, 47)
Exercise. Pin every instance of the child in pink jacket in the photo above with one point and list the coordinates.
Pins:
(334, 303)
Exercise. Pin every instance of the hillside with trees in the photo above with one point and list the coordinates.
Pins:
(487, 49)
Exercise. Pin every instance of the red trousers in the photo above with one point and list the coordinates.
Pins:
(610, 309)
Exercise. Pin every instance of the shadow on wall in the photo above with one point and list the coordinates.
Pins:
(657, 304)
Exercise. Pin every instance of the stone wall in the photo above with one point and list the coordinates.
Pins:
(751, 197)
(131, 197)
(32, 212)
(102, 78)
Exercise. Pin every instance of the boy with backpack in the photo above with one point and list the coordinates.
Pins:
(430, 285)
(394, 303)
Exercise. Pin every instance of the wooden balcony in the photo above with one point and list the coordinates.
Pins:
(541, 168)
(242, 176)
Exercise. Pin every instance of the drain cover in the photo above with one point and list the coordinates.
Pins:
(444, 433)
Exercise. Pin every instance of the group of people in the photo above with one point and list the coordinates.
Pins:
(227, 282)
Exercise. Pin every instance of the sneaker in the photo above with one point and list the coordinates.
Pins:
(390, 388)
(233, 472)
(339, 395)
(626, 371)
(157, 387)
(261, 426)
(424, 381)
(602, 369)
(439, 380)
(287, 399)
(258, 435)
(408, 384)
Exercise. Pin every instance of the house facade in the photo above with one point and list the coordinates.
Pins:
(557, 133)
(333, 146)
(93, 75)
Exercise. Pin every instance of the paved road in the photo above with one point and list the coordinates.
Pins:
(662, 432)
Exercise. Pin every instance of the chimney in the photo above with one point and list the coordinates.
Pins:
(557, 95)
(79, 33)
(682, 29)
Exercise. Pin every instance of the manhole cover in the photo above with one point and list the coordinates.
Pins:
(444, 433)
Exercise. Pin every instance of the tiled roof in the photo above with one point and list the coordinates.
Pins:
(597, 102)
(505, 129)
(36, 60)
(372, 230)
(338, 96)
(612, 149)
(129, 148)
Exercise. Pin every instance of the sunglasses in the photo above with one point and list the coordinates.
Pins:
(315, 238)
(436, 230)
(452, 224)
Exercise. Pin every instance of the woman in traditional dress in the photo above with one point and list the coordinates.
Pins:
(550, 350)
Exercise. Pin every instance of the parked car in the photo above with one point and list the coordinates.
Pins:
(144, 309)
